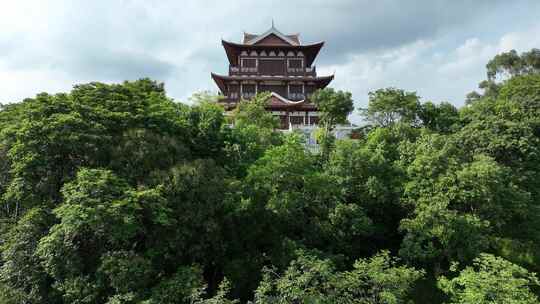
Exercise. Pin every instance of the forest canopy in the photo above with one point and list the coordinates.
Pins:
(116, 193)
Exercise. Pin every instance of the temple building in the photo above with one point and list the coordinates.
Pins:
(276, 63)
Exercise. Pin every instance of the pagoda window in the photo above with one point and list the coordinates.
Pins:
(295, 63)
(253, 53)
(297, 120)
(290, 54)
(300, 54)
(281, 54)
(233, 91)
(249, 62)
(248, 90)
(271, 67)
(296, 91)
(249, 65)
(276, 88)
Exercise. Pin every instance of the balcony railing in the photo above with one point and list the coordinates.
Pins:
(248, 70)
(306, 72)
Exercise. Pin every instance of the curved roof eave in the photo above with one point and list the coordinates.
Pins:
(302, 46)
(218, 79)
(285, 100)
(326, 80)
(315, 79)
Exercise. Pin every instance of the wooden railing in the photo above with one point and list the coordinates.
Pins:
(306, 72)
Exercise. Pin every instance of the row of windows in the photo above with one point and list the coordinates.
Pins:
(253, 63)
(297, 120)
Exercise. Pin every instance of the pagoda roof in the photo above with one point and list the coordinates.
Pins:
(254, 39)
(320, 81)
(233, 50)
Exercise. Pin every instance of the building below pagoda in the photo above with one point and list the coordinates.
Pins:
(276, 63)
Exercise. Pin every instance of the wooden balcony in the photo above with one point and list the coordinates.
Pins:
(304, 72)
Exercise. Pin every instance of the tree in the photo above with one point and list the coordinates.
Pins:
(286, 182)
(389, 106)
(21, 272)
(308, 279)
(114, 193)
(511, 64)
(441, 118)
(94, 125)
(334, 107)
(505, 131)
(523, 92)
(367, 176)
(253, 112)
(254, 131)
(491, 280)
(99, 214)
(461, 202)
(504, 66)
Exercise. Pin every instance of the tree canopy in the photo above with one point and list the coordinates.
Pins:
(116, 193)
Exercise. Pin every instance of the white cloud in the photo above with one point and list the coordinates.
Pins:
(437, 48)
(435, 72)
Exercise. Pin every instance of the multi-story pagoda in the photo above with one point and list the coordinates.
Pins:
(276, 63)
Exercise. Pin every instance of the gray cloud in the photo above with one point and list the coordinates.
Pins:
(107, 64)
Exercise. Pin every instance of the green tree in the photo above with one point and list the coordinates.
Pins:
(512, 64)
(334, 108)
(460, 202)
(443, 118)
(504, 66)
(95, 125)
(21, 273)
(491, 280)
(253, 112)
(308, 279)
(100, 214)
(254, 131)
(389, 106)
(368, 176)
(306, 202)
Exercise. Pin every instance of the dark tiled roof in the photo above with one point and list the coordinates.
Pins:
(234, 49)
(251, 39)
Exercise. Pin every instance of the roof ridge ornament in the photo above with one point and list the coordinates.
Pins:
(270, 31)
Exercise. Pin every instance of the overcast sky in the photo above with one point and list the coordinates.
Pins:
(437, 48)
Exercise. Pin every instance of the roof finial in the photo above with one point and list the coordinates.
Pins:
(272, 22)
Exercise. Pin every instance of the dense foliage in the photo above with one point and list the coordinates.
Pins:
(114, 193)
